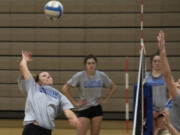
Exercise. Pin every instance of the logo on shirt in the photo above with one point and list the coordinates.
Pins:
(156, 82)
(49, 92)
(92, 84)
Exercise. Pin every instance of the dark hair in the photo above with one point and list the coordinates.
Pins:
(153, 55)
(89, 57)
(36, 77)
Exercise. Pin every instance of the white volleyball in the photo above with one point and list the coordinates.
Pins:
(53, 9)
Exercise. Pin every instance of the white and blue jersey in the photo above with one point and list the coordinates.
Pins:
(90, 88)
(43, 103)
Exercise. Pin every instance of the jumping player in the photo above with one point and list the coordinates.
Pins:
(43, 102)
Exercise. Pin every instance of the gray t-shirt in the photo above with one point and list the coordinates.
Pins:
(159, 91)
(43, 103)
(175, 112)
(90, 88)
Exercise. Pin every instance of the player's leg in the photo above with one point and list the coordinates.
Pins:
(96, 125)
(82, 130)
(96, 119)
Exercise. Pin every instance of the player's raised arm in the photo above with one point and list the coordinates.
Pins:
(165, 68)
(26, 57)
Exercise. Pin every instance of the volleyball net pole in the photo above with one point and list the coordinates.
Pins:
(139, 100)
(127, 96)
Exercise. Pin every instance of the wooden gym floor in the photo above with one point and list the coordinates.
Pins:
(109, 127)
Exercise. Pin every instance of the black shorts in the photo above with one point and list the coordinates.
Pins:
(32, 129)
(91, 112)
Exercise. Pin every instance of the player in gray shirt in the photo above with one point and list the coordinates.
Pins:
(90, 83)
(172, 87)
(43, 102)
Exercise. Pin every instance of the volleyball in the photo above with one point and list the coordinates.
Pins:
(53, 9)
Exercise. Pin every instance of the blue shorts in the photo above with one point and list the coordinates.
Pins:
(91, 112)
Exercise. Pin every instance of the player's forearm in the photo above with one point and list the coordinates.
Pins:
(172, 129)
(166, 71)
(111, 91)
(24, 69)
(73, 120)
(165, 68)
(69, 114)
(65, 91)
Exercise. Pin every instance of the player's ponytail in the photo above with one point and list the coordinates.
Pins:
(36, 77)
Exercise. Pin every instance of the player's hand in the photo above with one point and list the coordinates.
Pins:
(161, 40)
(101, 101)
(75, 122)
(155, 114)
(80, 103)
(26, 56)
(160, 122)
(165, 119)
(178, 83)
